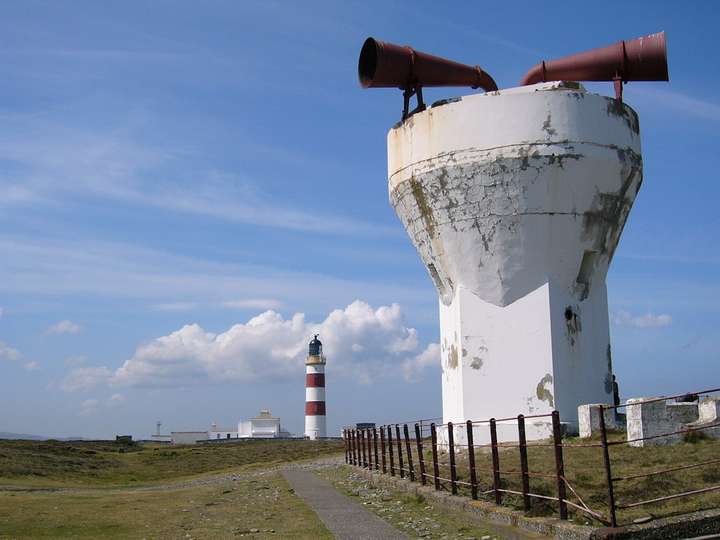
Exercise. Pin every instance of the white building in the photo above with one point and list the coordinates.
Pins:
(263, 426)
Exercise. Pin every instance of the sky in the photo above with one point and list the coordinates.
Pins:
(189, 191)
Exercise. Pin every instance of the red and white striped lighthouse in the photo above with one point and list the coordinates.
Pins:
(315, 426)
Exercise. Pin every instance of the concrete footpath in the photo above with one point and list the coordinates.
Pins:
(344, 518)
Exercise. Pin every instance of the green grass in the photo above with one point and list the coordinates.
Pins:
(259, 507)
(105, 502)
(54, 463)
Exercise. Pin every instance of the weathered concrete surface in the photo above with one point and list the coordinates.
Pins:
(515, 201)
(660, 417)
(589, 419)
(657, 418)
(345, 518)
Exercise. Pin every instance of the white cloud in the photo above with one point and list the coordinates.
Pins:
(42, 266)
(31, 366)
(61, 163)
(175, 306)
(253, 303)
(74, 360)
(648, 320)
(1, 312)
(413, 367)
(706, 110)
(85, 378)
(359, 341)
(88, 407)
(64, 327)
(115, 400)
(8, 353)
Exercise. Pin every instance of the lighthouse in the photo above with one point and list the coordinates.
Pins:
(315, 427)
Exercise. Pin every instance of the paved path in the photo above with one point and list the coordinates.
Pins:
(344, 518)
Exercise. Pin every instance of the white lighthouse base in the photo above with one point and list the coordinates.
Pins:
(315, 427)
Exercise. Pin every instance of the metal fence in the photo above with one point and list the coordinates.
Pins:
(411, 450)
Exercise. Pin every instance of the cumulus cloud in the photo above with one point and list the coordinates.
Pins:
(253, 303)
(64, 327)
(8, 353)
(648, 320)
(86, 378)
(31, 366)
(413, 367)
(359, 340)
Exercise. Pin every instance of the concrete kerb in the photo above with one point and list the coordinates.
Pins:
(675, 527)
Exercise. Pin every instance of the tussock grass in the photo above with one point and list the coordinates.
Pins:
(584, 470)
(106, 463)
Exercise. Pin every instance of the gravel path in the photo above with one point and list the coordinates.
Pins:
(345, 518)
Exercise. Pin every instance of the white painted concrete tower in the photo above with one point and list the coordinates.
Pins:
(515, 201)
(315, 425)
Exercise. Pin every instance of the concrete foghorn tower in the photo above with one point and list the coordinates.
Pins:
(315, 426)
(515, 201)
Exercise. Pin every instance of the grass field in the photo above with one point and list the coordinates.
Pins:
(584, 470)
(54, 463)
(111, 490)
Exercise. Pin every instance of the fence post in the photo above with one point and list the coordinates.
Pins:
(522, 446)
(382, 447)
(421, 457)
(377, 466)
(352, 446)
(348, 447)
(371, 463)
(364, 449)
(390, 448)
(496, 461)
(453, 470)
(411, 468)
(471, 460)
(436, 466)
(398, 441)
(559, 466)
(608, 471)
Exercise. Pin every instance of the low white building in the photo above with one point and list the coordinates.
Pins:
(263, 426)
(188, 437)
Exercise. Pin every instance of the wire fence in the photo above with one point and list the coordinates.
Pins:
(517, 471)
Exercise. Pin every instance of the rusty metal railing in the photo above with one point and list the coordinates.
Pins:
(413, 451)
(611, 481)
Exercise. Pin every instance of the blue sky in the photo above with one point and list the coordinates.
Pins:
(170, 171)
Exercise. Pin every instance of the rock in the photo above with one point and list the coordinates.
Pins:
(254, 530)
(486, 537)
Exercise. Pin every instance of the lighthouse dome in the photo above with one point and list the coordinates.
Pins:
(315, 347)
